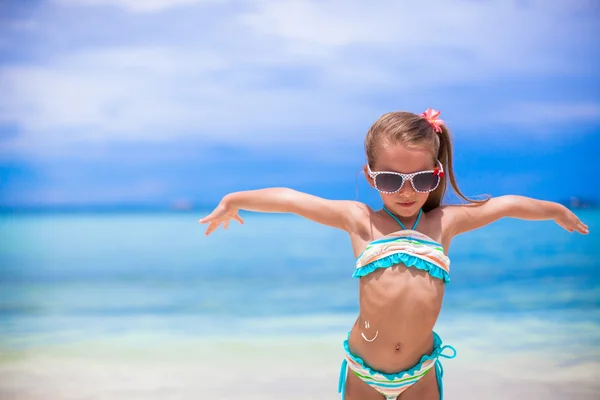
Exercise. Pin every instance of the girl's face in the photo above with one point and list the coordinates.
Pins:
(406, 160)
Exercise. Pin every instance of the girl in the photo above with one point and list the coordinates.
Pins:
(401, 251)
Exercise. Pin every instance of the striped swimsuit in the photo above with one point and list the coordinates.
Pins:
(412, 249)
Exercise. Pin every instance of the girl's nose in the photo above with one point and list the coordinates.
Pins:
(406, 188)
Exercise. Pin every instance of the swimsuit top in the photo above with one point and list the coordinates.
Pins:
(408, 247)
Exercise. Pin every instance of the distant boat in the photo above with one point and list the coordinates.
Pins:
(182, 205)
(578, 203)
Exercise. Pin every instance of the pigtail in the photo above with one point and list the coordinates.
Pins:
(445, 157)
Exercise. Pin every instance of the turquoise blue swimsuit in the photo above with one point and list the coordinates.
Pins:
(414, 250)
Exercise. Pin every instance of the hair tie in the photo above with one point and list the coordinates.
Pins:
(431, 116)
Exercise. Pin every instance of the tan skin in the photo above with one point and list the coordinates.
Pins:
(400, 304)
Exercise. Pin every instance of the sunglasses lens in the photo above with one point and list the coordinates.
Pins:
(426, 182)
(388, 182)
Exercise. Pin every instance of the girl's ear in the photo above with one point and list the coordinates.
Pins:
(369, 179)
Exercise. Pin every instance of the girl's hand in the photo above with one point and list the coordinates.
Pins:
(570, 222)
(220, 215)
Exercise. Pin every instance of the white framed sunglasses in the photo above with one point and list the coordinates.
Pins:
(422, 181)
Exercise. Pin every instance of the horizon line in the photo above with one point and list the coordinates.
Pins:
(573, 202)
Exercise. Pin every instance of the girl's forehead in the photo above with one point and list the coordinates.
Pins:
(405, 159)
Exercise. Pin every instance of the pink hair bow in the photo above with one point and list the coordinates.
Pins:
(431, 116)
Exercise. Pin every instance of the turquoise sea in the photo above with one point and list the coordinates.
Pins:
(71, 277)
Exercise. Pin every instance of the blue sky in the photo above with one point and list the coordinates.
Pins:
(126, 101)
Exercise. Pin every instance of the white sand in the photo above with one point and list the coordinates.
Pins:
(284, 368)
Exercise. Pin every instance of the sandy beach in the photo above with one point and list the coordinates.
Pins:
(266, 369)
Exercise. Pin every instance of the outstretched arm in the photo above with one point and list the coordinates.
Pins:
(472, 216)
(341, 214)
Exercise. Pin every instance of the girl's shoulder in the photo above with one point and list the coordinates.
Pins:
(449, 211)
(441, 220)
(360, 213)
(452, 218)
(363, 218)
(440, 213)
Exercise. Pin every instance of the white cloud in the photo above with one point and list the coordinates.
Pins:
(286, 71)
(472, 40)
(540, 113)
(154, 94)
(117, 91)
(540, 119)
(24, 25)
(144, 6)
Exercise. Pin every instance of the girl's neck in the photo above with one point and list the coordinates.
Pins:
(411, 221)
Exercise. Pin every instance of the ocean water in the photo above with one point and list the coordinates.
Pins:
(66, 278)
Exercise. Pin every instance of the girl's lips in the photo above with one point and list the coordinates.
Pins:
(407, 204)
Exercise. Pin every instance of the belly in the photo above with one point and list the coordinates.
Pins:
(398, 310)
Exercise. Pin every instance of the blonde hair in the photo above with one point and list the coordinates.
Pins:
(409, 129)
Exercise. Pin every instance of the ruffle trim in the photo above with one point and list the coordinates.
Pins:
(403, 258)
(435, 354)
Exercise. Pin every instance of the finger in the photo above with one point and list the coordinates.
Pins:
(214, 214)
(206, 219)
(583, 229)
(580, 222)
(239, 219)
(212, 227)
(226, 224)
